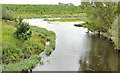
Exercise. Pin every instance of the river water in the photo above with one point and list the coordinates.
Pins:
(75, 50)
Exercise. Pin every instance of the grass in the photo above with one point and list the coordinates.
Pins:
(68, 19)
(33, 15)
(24, 64)
(50, 37)
(38, 11)
(15, 50)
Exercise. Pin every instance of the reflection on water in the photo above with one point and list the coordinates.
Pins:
(101, 56)
(75, 50)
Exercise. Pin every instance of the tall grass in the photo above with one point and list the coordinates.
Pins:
(23, 64)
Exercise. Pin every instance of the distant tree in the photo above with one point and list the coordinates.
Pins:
(60, 3)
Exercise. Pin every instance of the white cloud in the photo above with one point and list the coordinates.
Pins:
(75, 2)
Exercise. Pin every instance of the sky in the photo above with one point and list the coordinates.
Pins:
(75, 2)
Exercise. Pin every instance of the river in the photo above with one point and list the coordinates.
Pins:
(76, 50)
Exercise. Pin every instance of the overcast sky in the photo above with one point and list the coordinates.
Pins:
(75, 2)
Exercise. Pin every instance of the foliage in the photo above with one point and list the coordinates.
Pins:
(23, 30)
(18, 50)
(101, 16)
(114, 31)
(8, 14)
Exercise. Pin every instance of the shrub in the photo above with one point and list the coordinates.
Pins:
(8, 14)
(23, 30)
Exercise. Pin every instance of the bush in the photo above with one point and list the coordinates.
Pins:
(23, 30)
(8, 14)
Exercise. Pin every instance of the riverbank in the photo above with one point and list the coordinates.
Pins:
(85, 19)
(111, 35)
(19, 52)
(23, 65)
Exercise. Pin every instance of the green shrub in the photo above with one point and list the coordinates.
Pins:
(23, 30)
(8, 14)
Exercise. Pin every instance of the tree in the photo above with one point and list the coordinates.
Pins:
(102, 15)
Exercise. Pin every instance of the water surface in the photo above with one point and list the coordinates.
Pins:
(75, 50)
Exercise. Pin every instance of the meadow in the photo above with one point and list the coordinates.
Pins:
(40, 11)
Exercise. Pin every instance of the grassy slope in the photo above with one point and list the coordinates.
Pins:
(31, 11)
(15, 50)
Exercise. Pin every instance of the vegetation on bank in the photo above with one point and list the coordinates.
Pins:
(68, 19)
(22, 43)
(49, 35)
(8, 14)
(23, 65)
(114, 33)
(103, 16)
(80, 25)
(38, 11)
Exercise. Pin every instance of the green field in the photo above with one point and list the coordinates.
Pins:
(34, 11)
